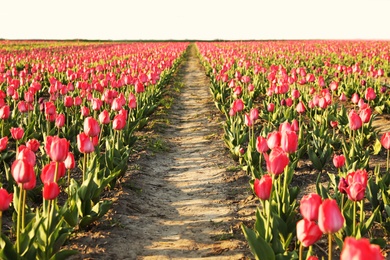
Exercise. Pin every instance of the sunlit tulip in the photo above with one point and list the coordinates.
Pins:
(254, 114)
(276, 161)
(310, 205)
(308, 232)
(70, 162)
(4, 112)
(26, 154)
(48, 172)
(132, 101)
(360, 249)
(355, 122)
(338, 160)
(21, 171)
(355, 98)
(300, 108)
(96, 104)
(385, 140)
(119, 122)
(271, 107)
(261, 144)
(289, 141)
(84, 143)
(3, 143)
(5, 199)
(104, 117)
(17, 133)
(84, 111)
(238, 105)
(50, 191)
(333, 85)
(33, 144)
(330, 219)
(60, 120)
(263, 186)
(68, 101)
(91, 127)
(370, 94)
(57, 148)
(273, 139)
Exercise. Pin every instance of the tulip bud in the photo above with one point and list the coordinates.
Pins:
(308, 232)
(330, 219)
(263, 186)
(310, 205)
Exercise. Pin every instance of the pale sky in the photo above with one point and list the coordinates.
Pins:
(197, 19)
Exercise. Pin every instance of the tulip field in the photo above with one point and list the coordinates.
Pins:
(68, 113)
(69, 110)
(287, 102)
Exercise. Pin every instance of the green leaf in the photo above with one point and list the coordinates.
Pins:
(377, 147)
(260, 249)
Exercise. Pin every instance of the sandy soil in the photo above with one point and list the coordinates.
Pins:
(184, 197)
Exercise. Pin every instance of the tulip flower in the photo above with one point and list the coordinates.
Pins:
(309, 206)
(289, 141)
(33, 144)
(370, 94)
(91, 127)
(84, 111)
(119, 122)
(365, 114)
(271, 107)
(5, 112)
(84, 143)
(3, 143)
(132, 101)
(355, 98)
(60, 121)
(308, 232)
(68, 101)
(263, 186)
(338, 161)
(343, 97)
(276, 161)
(17, 133)
(50, 191)
(237, 105)
(26, 154)
(5, 200)
(360, 249)
(285, 126)
(49, 172)
(385, 141)
(21, 170)
(355, 122)
(261, 144)
(300, 108)
(330, 219)
(57, 148)
(50, 108)
(273, 139)
(96, 104)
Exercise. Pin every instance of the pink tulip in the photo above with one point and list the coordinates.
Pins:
(330, 219)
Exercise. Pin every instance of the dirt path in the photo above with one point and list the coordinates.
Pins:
(182, 203)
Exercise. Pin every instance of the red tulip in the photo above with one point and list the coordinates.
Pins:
(26, 154)
(70, 162)
(254, 114)
(91, 127)
(50, 108)
(310, 205)
(330, 219)
(104, 117)
(84, 111)
(334, 124)
(357, 183)
(4, 112)
(355, 122)
(77, 101)
(289, 102)
(308, 232)
(385, 140)
(21, 171)
(57, 148)
(60, 120)
(237, 105)
(68, 101)
(343, 97)
(31, 184)
(370, 94)
(119, 122)
(295, 93)
(96, 104)
(271, 107)
(289, 141)
(300, 108)
(333, 85)
(48, 172)
(273, 139)
(17, 133)
(132, 101)
(5, 199)
(338, 160)
(3, 143)
(263, 186)
(365, 114)
(294, 125)
(84, 143)
(33, 144)
(355, 98)
(312, 257)
(360, 249)
(276, 161)
(51, 190)
(139, 87)
(285, 126)
(261, 144)
(22, 107)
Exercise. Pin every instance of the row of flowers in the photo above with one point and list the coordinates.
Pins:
(68, 113)
(290, 102)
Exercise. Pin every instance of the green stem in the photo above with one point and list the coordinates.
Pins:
(387, 168)
(330, 246)
(301, 252)
(18, 220)
(24, 194)
(354, 219)
(1, 223)
(68, 182)
(361, 211)
(267, 227)
(84, 165)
